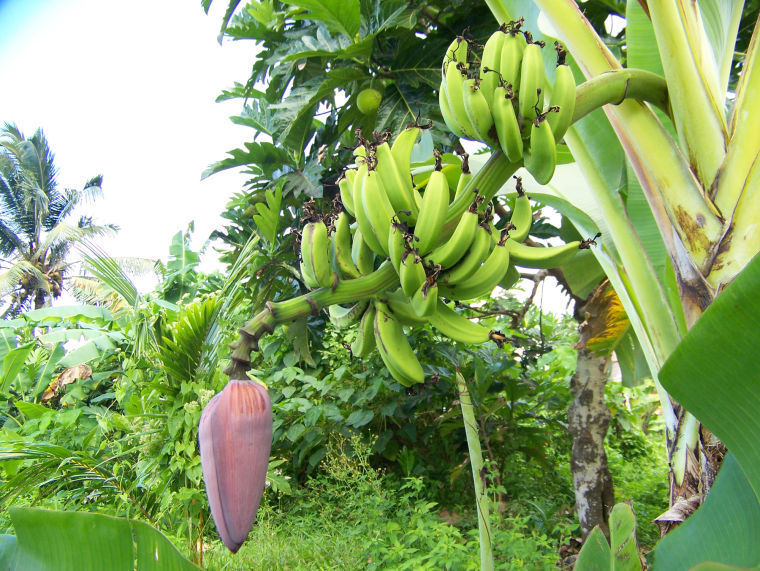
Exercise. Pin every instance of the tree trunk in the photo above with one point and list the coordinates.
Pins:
(588, 420)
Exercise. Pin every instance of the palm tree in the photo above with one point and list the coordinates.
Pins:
(35, 240)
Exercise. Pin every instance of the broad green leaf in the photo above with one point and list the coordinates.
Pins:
(8, 549)
(79, 541)
(583, 273)
(623, 549)
(268, 217)
(642, 50)
(8, 341)
(359, 418)
(714, 374)
(298, 333)
(339, 15)
(712, 566)
(90, 350)
(721, 21)
(324, 46)
(595, 553)
(73, 312)
(386, 15)
(48, 370)
(12, 363)
(73, 334)
(725, 529)
(262, 158)
(32, 410)
(631, 360)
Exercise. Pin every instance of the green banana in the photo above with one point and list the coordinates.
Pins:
(532, 83)
(510, 278)
(471, 261)
(452, 250)
(522, 215)
(541, 258)
(478, 110)
(485, 278)
(456, 326)
(379, 212)
(507, 126)
(396, 183)
(360, 211)
(394, 348)
(562, 96)
(361, 254)
(464, 178)
(401, 149)
(316, 268)
(457, 52)
(341, 248)
(411, 272)
(425, 299)
(433, 210)
(341, 317)
(456, 73)
(365, 342)
(541, 158)
(346, 187)
(401, 307)
(510, 62)
(448, 115)
(489, 64)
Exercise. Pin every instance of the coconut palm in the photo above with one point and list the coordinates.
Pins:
(35, 238)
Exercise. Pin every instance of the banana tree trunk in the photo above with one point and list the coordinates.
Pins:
(588, 417)
(588, 420)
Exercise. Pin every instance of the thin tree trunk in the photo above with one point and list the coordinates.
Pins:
(588, 420)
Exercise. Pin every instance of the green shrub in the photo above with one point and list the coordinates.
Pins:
(352, 516)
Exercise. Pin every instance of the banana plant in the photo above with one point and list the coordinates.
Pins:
(673, 193)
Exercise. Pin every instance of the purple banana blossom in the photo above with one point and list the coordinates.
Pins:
(235, 436)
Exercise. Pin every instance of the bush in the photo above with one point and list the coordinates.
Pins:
(351, 515)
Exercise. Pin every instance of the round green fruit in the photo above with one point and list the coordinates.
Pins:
(368, 100)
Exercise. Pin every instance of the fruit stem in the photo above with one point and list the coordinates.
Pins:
(613, 87)
(487, 181)
(311, 303)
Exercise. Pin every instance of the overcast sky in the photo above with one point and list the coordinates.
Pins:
(127, 89)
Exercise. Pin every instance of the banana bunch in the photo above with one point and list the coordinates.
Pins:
(498, 97)
(440, 251)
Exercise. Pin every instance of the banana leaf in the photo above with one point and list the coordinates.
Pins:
(62, 541)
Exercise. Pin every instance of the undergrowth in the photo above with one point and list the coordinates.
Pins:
(352, 516)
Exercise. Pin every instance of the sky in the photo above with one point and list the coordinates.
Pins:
(127, 90)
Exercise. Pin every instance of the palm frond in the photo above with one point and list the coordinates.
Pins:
(109, 271)
(52, 468)
(55, 244)
(9, 240)
(92, 291)
(12, 277)
(190, 350)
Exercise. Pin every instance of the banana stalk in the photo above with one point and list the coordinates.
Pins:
(276, 313)
(744, 125)
(694, 85)
(615, 86)
(476, 463)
